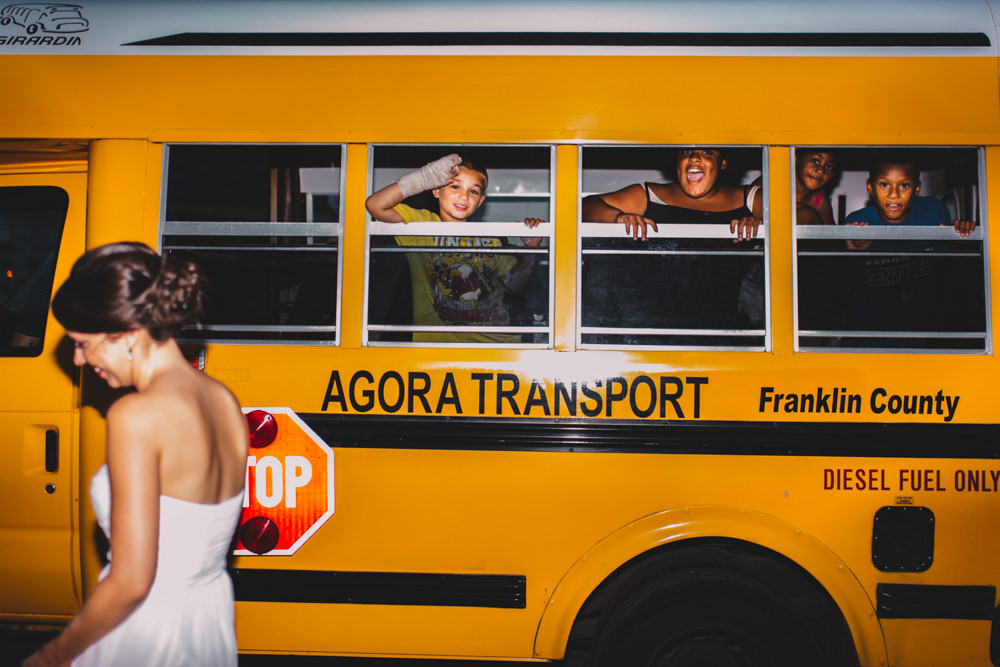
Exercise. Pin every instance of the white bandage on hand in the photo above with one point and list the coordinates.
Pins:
(431, 175)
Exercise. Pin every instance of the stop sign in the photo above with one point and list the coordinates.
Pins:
(289, 484)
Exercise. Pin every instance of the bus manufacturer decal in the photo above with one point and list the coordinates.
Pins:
(42, 24)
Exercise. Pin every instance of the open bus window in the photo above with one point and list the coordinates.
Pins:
(485, 280)
(892, 273)
(31, 224)
(264, 223)
(690, 284)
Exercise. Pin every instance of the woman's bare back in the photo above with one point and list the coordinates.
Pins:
(204, 437)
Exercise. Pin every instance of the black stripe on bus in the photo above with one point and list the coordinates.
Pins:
(974, 603)
(712, 39)
(946, 441)
(384, 588)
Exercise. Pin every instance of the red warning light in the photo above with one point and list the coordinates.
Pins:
(263, 428)
(259, 534)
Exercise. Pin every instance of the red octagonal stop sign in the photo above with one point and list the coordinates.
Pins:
(289, 484)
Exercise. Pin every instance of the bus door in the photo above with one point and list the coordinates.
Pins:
(41, 234)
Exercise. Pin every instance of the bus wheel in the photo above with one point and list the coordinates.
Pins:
(31, 28)
(5, 20)
(691, 609)
(707, 617)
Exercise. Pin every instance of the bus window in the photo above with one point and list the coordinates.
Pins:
(264, 223)
(689, 284)
(893, 273)
(481, 281)
(31, 222)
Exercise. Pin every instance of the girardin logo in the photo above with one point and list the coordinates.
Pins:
(42, 24)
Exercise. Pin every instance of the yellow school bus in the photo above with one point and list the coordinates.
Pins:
(683, 450)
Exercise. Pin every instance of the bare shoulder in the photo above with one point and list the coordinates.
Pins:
(170, 403)
(807, 215)
(137, 433)
(663, 191)
(735, 195)
(221, 393)
(190, 391)
(132, 413)
(671, 194)
(633, 197)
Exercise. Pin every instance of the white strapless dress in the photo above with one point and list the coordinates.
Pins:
(187, 618)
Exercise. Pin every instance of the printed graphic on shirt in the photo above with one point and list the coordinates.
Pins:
(467, 288)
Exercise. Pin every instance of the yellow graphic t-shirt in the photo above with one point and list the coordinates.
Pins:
(456, 287)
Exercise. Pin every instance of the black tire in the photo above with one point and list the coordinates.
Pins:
(32, 28)
(5, 20)
(705, 618)
(705, 607)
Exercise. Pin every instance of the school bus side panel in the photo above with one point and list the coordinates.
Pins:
(454, 508)
(563, 98)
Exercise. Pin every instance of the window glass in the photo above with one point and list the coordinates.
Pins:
(894, 270)
(31, 224)
(690, 283)
(481, 276)
(263, 222)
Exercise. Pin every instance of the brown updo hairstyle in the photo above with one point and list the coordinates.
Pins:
(121, 287)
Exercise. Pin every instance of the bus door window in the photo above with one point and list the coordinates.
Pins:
(486, 280)
(31, 222)
(689, 284)
(893, 273)
(264, 222)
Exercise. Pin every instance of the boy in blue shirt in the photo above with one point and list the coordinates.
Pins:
(904, 292)
(894, 186)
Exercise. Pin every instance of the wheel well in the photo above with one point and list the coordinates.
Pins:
(786, 580)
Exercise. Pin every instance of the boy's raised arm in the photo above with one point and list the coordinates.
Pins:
(432, 175)
(380, 204)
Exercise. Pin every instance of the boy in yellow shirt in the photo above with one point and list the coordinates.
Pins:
(454, 287)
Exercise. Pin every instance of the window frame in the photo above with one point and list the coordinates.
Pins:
(590, 230)
(296, 230)
(841, 232)
(545, 230)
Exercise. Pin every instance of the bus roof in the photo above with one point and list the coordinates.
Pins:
(511, 27)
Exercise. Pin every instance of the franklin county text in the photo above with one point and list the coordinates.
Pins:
(840, 401)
